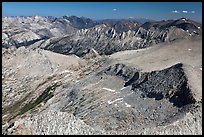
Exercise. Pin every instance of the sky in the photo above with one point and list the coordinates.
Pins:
(106, 10)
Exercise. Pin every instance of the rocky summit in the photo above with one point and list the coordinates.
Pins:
(73, 76)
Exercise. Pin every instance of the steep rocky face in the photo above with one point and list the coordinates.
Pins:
(105, 40)
(24, 31)
(121, 25)
(80, 22)
(62, 35)
(183, 23)
(170, 84)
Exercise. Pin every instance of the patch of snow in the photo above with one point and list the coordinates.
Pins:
(184, 19)
(76, 56)
(189, 49)
(68, 75)
(127, 105)
(55, 81)
(110, 102)
(5, 115)
(66, 71)
(76, 81)
(129, 93)
(111, 90)
(4, 36)
(200, 68)
(198, 27)
(123, 88)
(187, 30)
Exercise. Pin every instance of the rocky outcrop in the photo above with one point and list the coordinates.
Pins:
(170, 83)
(133, 100)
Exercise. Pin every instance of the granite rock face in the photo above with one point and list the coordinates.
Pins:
(169, 83)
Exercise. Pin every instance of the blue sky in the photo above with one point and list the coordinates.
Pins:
(106, 10)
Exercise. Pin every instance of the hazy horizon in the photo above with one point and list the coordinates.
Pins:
(107, 10)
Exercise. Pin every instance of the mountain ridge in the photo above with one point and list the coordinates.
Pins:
(106, 37)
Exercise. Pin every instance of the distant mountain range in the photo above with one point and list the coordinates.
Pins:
(77, 35)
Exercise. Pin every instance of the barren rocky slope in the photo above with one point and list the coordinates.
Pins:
(74, 35)
(152, 91)
(105, 39)
(73, 75)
